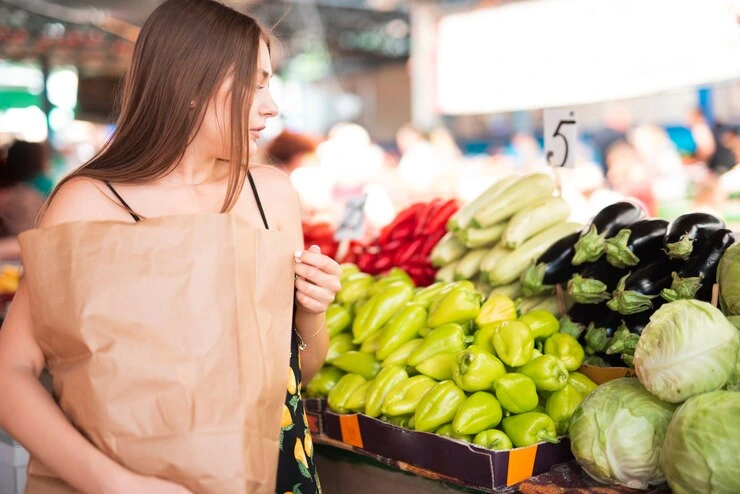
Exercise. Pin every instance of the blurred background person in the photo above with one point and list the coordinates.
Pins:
(20, 200)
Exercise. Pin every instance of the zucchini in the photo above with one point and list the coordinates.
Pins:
(462, 218)
(475, 238)
(491, 259)
(530, 221)
(515, 263)
(469, 266)
(512, 290)
(446, 273)
(522, 193)
(447, 250)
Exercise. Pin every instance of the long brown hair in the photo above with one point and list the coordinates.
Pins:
(184, 51)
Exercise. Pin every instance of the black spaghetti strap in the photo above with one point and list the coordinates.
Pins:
(257, 198)
(123, 203)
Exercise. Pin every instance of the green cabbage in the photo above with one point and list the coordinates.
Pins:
(702, 445)
(728, 277)
(688, 348)
(617, 432)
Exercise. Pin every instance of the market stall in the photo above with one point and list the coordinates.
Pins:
(540, 341)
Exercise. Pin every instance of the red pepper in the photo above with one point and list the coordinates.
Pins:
(425, 214)
(366, 263)
(405, 253)
(440, 219)
(402, 218)
(403, 232)
(431, 241)
(382, 263)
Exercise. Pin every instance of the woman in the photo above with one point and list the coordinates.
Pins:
(195, 100)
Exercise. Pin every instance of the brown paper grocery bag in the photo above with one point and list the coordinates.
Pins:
(168, 343)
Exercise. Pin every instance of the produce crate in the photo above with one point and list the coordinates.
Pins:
(315, 414)
(600, 375)
(442, 458)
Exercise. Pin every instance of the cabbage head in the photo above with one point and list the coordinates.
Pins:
(688, 348)
(701, 452)
(617, 432)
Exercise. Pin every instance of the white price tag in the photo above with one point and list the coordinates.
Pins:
(352, 226)
(560, 137)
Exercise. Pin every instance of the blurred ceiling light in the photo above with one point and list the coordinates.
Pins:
(28, 124)
(62, 88)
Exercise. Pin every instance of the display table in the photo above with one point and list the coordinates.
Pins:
(342, 470)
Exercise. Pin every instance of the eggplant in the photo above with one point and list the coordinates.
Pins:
(641, 242)
(636, 323)
(637, 291)
(699, 274)
(606, 224)
(688, 231)
(552, 267)
(595, 283)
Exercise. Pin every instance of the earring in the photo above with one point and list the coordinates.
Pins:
(192, 104)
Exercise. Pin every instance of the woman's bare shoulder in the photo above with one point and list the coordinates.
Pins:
(83, 199)
(278, 195)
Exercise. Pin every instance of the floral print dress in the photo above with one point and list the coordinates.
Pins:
(296, 467)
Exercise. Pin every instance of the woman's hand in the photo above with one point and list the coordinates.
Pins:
(317, 280)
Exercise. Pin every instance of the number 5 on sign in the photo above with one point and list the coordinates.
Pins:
(560, 137)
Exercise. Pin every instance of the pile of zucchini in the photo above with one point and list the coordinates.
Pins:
(494, 239)
(622, 267)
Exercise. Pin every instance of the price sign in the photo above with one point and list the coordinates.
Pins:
(560, 137)
(352, 226)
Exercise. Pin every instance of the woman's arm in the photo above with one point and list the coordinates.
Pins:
(312, 358)
(46, 432)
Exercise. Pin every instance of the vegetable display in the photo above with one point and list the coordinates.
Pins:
(447, 360)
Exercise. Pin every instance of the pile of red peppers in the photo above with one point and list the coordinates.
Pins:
(407, 242)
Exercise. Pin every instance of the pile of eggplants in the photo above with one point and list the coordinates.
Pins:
(622, 267)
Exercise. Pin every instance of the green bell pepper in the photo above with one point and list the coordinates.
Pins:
(483, 338)
(403, 327)
(341, 393)
(541, 323)
(374, 314)
(338, 318)
(476, 370)
(401, 355)
(356, 362)
(438, 367)
(566, 348)
(358, 399)
(370, 345)
(404, 397)
(493, 439)
(395, 275)
(456, 306)
(323, 382)
(547, 372)
(348, 268)
(355, 287)
(496, 309)
(561, 405)
(513, 343)
(530, 428)
(480, 411)
(424, 331)
(438, 406)
(338, 345)
(448, 431)
(386, 379)
(583, 384)
(426, 296)
(400, 421)
(516, 393)
(447, 338)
